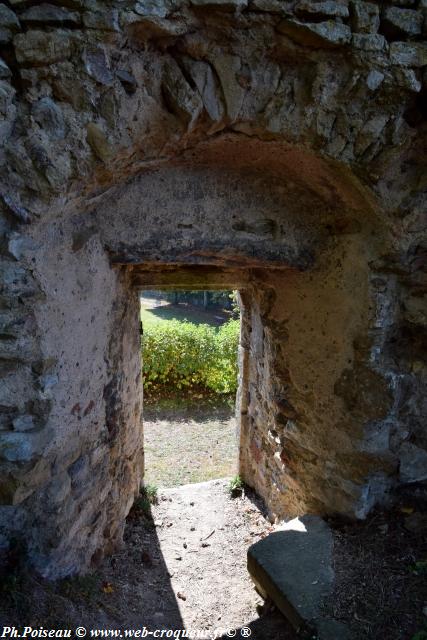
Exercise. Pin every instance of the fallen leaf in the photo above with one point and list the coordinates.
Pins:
(407, 509)
(107, 587)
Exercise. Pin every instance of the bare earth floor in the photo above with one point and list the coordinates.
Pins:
(189, 440)
(183, 567)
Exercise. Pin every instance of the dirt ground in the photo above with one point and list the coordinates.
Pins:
(189, 441)
(380, 567)
(183, 566)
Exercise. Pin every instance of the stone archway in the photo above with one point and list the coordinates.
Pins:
(234, 142)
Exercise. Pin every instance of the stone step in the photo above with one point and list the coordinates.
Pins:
(293, 567)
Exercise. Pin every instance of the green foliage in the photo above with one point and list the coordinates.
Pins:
(150, 492)
(179, 355)
(419, 567)
(236, 486)
(147, 497)
(86, 586)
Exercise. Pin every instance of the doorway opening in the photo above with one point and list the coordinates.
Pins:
(190, 370)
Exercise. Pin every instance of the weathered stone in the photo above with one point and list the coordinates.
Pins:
(144, 28)
(9, 24)
(46, 13)
(103, 20)
(227, 68)
(97, 65)
(374, 79)
(17, 280)
(5, 36)
(67, 88)
(226, 5)
(127, 80)
(23, 423)
(204, 79)
(271, 6)
(413, 463)
(49, 116)
(365, 17)
(43, 48)
(294, 568)
(98, 142)
(408, 54)
(157, 8)
(371, 42)
(180, 97)
(318, 34)
(59, 488)
(8, 19)
(369, 133)
(5, 72)
(20, 446)
(16, 210)
(407, 78)
(397, 23)
(310, 9)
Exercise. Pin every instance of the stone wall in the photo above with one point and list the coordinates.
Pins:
(276, 144)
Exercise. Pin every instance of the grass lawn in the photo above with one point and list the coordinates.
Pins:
(189, 440)
(150, 313)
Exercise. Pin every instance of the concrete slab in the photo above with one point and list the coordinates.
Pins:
(293, 567)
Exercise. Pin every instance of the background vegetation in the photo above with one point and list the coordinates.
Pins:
(180, 354)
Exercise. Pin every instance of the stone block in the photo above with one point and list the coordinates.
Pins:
(17, 281)
(59, 488)
(49, 117)
(407, 78)
(127, 80)
(225, 5)
(227, 68)
(369, 42)
(8, 19)
(98, 142)
(272, 6)
(408, 54)
(374, 79)
(43, 48)
(46, 14)
(23, 423)
(19, 446)
(401, 23)
(294, 568)
(97, 65)
(365, 17)
(413, 463)
(204, 79)
(106, 20)
(180, 97)
(329, 34)
(144, 28)
(312, 10)
(157, 8)
(5, 72)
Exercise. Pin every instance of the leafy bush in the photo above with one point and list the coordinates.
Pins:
(179, 354)
(236, 486)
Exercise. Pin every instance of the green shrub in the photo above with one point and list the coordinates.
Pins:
(236, 486)
(179, 355)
